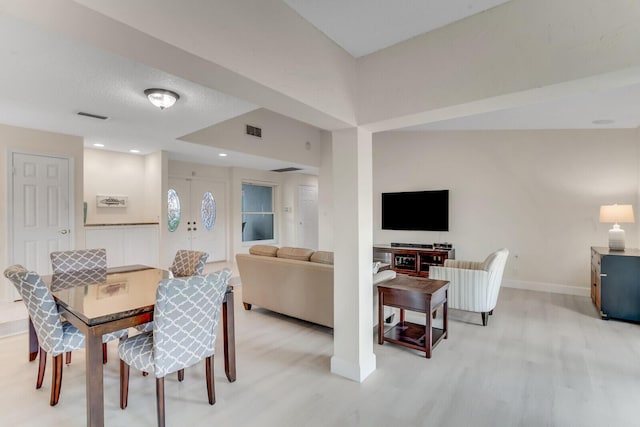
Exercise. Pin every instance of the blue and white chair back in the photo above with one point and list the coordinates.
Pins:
(79, 260)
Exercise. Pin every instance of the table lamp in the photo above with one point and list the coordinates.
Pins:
(616, 214)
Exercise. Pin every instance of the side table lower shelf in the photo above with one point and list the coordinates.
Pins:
(413, 335)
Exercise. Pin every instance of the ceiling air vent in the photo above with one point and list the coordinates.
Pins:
(286, 170)
(254, 131)
(93, 116)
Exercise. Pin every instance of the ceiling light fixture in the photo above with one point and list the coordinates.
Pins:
(98, 145)
(161, 98)
(134, 151)
(222, 154)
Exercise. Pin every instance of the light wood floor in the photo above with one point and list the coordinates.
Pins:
(544, 360)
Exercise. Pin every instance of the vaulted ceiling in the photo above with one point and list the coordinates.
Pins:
(60, 57)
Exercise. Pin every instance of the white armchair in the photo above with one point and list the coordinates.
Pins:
(474, 286)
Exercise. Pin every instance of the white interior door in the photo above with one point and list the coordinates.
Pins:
(40, 217)
(192, 232)
(307, 229)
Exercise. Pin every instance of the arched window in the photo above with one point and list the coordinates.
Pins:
(173, 211)
(208, 210)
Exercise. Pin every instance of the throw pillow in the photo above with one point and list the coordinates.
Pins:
(263, 250)
(300, 254)
(322, 257)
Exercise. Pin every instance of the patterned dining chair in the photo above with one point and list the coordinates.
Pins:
(79, 260)
(186, 315)
(81, 266)
(54, 336)
(186, 263)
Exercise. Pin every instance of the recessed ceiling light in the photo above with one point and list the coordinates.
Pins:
(223, 154)
(603, 122)
(98, 145)
(134, 151)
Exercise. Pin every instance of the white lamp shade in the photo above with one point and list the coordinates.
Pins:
(616, 214)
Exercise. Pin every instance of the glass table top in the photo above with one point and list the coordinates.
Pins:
(100, 296)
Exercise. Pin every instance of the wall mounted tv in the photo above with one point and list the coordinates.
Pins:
(416, 210)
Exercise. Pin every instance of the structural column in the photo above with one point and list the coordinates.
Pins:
(353, 240)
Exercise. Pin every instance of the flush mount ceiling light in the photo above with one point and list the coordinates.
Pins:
(161, 98)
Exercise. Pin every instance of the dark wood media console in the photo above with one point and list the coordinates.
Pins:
(411, 261)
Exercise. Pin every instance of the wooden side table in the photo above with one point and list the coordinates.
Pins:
(415, 294)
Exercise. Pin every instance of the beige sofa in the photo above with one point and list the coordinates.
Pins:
(296, 282)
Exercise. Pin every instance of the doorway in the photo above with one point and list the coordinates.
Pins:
(307, 228)
(202, 225)
(40, 221)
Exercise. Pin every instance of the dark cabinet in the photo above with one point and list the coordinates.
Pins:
(615, 283)
(411, 261)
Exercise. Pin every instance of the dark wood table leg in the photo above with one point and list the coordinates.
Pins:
(445, 326)
(228, 323)
(380, 316)
(428, 330)
(94, 379)
(33, 342)
(402, 315)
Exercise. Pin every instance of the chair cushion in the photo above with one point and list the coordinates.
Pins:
(263, 250)
(300, 254)
(72, 338)
(137, 351)
(322, 257)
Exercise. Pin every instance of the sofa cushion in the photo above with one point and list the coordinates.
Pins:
(322, 257)
(263, 250)
(300, 254)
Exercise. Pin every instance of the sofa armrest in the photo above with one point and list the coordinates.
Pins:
(469, 265)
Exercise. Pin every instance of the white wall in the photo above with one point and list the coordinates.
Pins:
(36, 142)
(535, 192)
(112, 173)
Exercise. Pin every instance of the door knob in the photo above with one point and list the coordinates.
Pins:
(64, 231)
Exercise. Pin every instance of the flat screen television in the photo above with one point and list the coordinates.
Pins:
(416, 210)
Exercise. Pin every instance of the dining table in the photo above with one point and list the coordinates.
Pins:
(122, 297)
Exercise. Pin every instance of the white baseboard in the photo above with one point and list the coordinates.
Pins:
(547, 287)
(353, 371)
